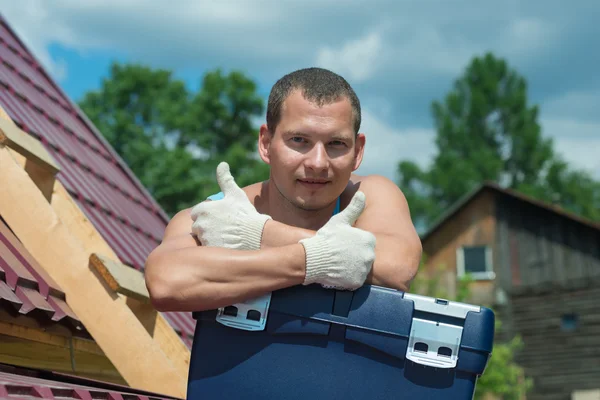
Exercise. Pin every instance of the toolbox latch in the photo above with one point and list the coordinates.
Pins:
(434, 344)
(250, 315)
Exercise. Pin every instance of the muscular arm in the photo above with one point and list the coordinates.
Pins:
(386, 215)
(182, 275)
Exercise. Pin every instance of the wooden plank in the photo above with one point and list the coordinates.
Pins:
(37, 335)
(84, 232)
(85, 358)
(121, 278)
(12, 136)
(105, 315)
(24, 353)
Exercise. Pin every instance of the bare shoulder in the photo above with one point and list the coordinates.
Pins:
(180, 224)
(378, 189)
(386, 208)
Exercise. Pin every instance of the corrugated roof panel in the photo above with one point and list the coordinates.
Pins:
(31, 294)
(32, 121)
(33, 301)
(62, 310)
(23, 383)
(7, 36)
(26, 68)
(183, 322)
(16, 274)
(46, 284)
(6, 293)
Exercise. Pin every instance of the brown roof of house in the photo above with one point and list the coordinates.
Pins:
(494, 187)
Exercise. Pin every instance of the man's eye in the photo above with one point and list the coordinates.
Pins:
(297, 139)
(338, 143)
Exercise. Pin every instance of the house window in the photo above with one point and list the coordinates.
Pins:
(569, 322)
(475, 261)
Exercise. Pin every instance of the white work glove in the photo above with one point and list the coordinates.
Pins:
(339, 255)
(231, 222)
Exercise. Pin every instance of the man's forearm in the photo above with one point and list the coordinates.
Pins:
(394, 267)
(277, 234)
(201, 278)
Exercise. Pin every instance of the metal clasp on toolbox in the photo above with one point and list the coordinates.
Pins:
(436, 331)
(250, 315)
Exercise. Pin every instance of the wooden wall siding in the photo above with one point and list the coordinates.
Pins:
(473, 225)
(560, 362)
(538, 248)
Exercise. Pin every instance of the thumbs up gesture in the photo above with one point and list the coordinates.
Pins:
(340, 255)
(231, 222)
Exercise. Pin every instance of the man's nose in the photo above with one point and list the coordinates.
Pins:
(318, 158)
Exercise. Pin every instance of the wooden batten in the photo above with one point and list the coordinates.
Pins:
(138, 358)
(39, 164)
(121, 278)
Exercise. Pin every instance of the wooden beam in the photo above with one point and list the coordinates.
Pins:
(121, 278)
(15, 138)
(105, 315)
(90, 239)
(34, 348)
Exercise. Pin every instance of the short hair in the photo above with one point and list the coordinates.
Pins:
(318, 85)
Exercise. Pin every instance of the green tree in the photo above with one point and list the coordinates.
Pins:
(173, 138)
(487, 131)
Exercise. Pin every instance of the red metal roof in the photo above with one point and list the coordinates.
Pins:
(21, 383)
(26, 289)
(114, 200)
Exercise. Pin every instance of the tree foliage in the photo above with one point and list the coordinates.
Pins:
(173, 138)
(487, 131)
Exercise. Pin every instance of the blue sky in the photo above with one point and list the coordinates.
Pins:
(399, 55)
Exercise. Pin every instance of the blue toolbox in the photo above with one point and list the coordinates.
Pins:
(311, 343)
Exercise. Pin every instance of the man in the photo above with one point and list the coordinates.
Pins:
(283, 232)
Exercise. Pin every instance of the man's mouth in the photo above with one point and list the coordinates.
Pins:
(313, 183)
(313, 180)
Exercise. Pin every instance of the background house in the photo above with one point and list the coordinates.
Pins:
(539, 268)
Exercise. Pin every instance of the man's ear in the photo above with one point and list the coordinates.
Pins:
(264, 143)
(359, 149)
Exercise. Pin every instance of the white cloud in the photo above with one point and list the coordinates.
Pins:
(358, 59)
(524, 34)
(386, 146)
(578, 142)
(403, 54)
(31, 22)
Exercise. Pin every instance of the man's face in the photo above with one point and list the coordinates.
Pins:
(313, 152)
